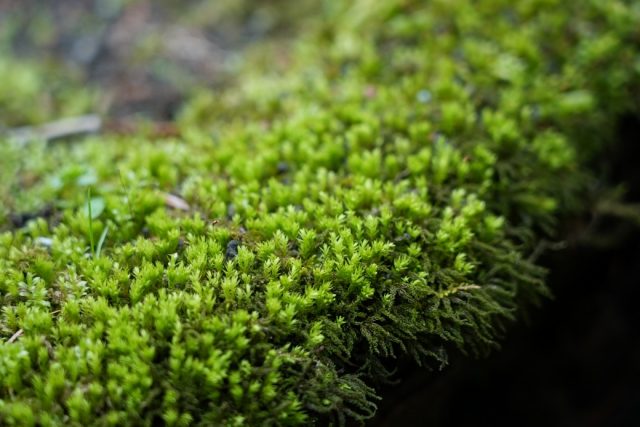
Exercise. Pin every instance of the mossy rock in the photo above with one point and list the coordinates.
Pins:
(374, 195)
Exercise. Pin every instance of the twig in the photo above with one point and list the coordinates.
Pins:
(59, 129)
(626, 211)
(15, 336)
(445, 293)
(545, 245)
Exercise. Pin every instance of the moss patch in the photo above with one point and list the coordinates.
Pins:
(374, 194)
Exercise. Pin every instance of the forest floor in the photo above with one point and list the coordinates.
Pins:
(143, 57)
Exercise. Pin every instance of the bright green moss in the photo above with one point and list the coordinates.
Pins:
(378, 199)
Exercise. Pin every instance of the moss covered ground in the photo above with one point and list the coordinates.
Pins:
(372, 191)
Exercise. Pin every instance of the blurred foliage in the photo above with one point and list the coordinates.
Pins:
(138, 56)
(35, 92)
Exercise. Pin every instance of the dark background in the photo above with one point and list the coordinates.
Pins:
(576, 362)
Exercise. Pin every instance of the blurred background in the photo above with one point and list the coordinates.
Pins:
(575, 362)
(129, 57)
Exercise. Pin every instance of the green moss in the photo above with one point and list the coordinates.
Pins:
(33, 93)
(376, 198)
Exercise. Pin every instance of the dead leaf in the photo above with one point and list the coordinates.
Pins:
(176, 202)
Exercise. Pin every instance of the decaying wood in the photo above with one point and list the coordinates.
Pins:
(58, 129)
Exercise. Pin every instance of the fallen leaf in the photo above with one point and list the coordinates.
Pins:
(176, 202)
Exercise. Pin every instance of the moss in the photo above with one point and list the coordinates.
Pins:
(376, 198)
(33, 93)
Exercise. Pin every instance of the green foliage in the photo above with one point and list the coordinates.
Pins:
(32, 93)
(377, 199)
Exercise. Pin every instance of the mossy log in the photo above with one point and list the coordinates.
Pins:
(374, 193)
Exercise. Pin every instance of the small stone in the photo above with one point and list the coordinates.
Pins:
(232, 249)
